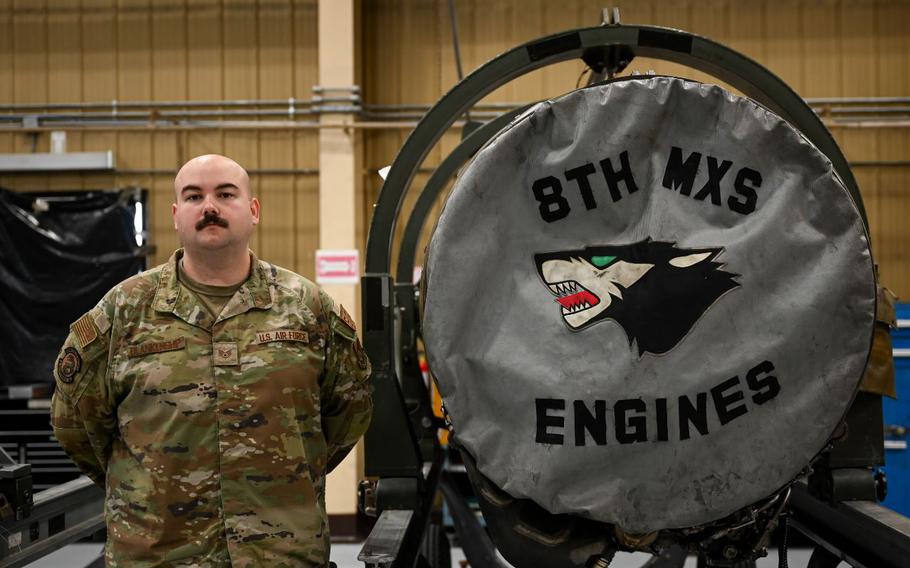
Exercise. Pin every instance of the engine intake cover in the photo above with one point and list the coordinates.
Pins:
(648, 302)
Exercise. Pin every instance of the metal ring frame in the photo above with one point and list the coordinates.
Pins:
(648, 41)
(461, 154)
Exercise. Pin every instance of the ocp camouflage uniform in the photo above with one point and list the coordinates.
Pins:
(212, 436)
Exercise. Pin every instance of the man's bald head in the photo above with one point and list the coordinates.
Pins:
(213, 210)
(212, 169)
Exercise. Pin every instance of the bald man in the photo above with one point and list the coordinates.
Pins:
(211, 395)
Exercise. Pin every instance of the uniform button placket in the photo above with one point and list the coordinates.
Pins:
(218, 375)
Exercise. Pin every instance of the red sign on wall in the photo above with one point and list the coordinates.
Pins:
(334, 266)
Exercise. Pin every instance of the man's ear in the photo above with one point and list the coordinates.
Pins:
(174, 214)
(254, 209)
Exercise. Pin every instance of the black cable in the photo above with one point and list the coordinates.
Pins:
(782, 548)
(456, 47)
(455, 41)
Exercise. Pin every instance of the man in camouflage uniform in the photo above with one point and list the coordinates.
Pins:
(212, 394)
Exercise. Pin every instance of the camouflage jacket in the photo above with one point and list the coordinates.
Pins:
(212, 437)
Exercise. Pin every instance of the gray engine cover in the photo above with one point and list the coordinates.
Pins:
(648, 302)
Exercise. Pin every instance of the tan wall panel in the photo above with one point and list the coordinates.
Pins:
(383, 84)
(199, 142)
(64, 67)
(165, 156)
(169, 53)
(99, 142)
(306, 222)
(527, 22)
(276, 51)
(29, 51)
(305, 142)
(821, 46)
(204, 51)
(161, 221)
(99, 78)
(486, 32)
(783, 48)
(30, 74)
(64, 51)
(278, 198)
(276, 149)
(7, 72)
(134, 152)
(893, 48)
(169, 69)
(99, 51)
(859, 71)
(893, 244)
(134, 53)
(304, 32)
(240, 55)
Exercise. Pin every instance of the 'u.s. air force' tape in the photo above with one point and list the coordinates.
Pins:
(649, 302)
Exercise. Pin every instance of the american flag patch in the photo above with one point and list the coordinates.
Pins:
(85, 330)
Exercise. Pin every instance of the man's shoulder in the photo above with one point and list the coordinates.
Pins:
(312, 295)
(290, 282)
(136, 288)
(287, 278)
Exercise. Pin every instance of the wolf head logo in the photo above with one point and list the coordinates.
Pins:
(654, 290)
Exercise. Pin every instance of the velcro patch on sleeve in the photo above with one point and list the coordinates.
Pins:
(85, 330)
(346, 317)
(342, 329)
(100, 318)
(282, 335)
(149, 347)
(362, 360)
(68, 365)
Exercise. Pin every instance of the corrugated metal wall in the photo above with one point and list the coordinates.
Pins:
(100, 50)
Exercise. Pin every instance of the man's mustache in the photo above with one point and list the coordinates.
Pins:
(211, 219)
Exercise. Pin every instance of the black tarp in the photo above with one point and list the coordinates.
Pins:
(60, 253)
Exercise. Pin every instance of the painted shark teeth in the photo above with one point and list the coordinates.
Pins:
(576, 308)
(564, 288)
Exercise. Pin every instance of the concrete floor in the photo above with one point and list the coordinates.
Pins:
(345, 555)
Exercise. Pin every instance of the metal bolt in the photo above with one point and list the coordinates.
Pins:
(730, 552)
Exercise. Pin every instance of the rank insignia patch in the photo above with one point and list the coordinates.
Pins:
(226, 354)
(68, 365)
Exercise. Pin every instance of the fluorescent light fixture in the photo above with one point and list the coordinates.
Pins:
(137, 224)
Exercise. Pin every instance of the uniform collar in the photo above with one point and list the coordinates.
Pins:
(172, 297)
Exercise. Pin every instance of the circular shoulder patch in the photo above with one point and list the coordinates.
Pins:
(649, 303)
(69, 364)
